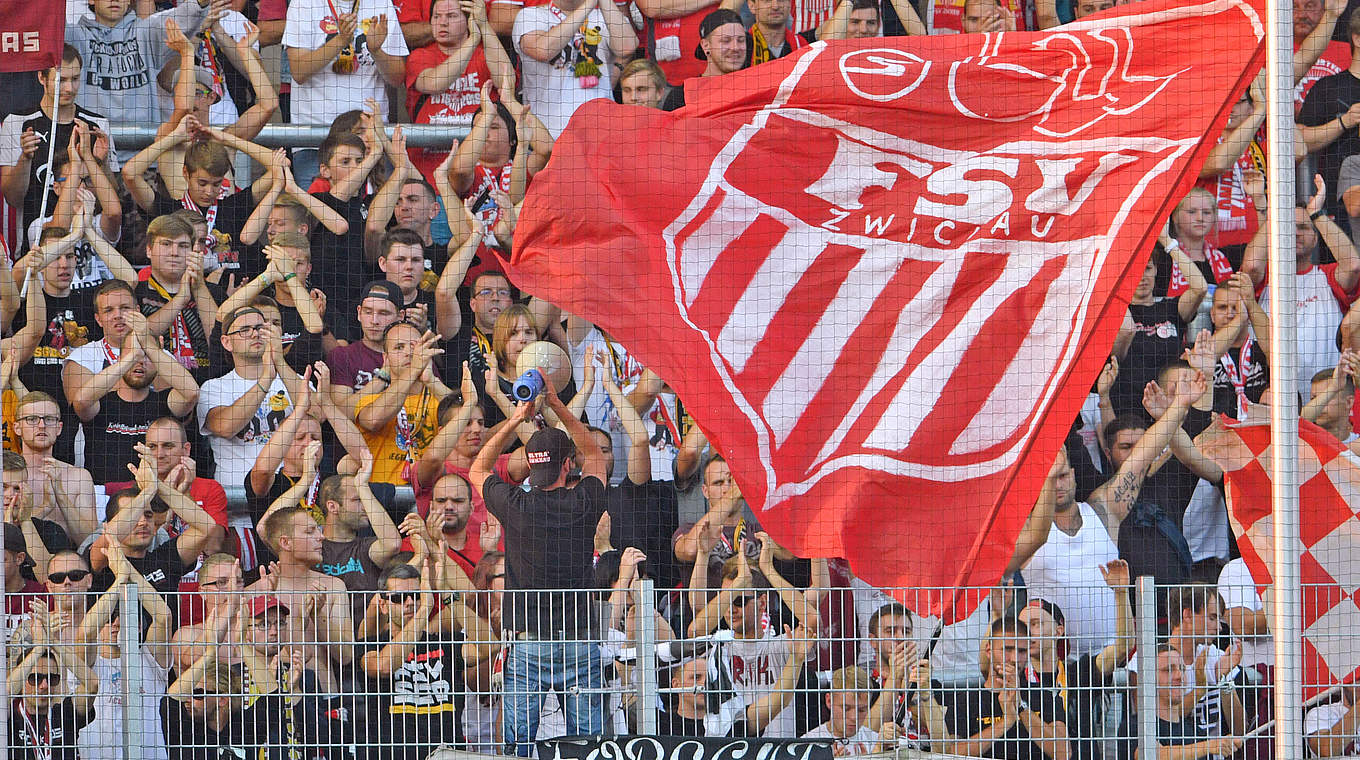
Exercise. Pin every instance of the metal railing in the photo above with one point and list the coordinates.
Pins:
(335, 665)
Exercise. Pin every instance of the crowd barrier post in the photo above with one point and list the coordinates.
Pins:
(1147, 685)
(1287, 603)
(129, 652)
(646, 657)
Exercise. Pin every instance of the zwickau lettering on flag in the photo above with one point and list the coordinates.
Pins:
(883, 274)
(1329, 486)
(31, 35)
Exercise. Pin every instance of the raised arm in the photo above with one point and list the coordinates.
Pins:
(272, 453)
(1037, 526)
(803, 609)
(1187, 304)
(246, 59)
(1338, 242)
(639, 452)
(389, 540)
(134, 170)
(760, 714)
(1315, 44)
(304, 64)
(1116, 497)
(431, 464)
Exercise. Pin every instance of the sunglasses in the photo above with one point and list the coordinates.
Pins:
(198, 694)
(52, 679)
(743, 600)
(400, 597)
(74, 575)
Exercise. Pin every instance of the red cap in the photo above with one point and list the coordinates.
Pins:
(264, 603)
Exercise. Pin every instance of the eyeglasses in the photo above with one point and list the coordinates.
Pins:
(489, 292)
(75, 576)
(743, 600)
(400, 597)
(40, 419)
(51, 679)
(249, 330)
(198, 694)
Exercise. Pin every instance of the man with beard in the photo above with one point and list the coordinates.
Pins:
(240, 410)
(117, 404)
(1067, 568)
(350, 507)
(447, 523)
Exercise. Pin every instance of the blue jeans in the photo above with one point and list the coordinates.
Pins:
(533, 668)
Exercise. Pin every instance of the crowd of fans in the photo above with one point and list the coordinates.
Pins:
(215, 385)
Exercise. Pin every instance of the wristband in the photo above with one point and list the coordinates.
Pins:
(289, 276)
(1342, 122)
(1320, 212)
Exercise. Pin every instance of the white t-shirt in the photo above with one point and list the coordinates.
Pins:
(862, 742)
(236, 455)
(599, 409)
(1323, 717)
(1318, 316)
(94, 356)
(91, 271)
(1066, 571)
(756, 667)
(551, 88)
(102, 738)
(326, 94)
(1205, 524)
(1237, 588)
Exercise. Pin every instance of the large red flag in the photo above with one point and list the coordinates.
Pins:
(883, 274)
(31, 34)
(1329, 493)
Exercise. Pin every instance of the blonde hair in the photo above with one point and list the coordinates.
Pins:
(505, 324)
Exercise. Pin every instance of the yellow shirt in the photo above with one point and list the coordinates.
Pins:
(9, 400)
(404, 438)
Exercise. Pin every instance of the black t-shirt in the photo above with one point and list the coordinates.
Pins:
(674, 724)
(110, 436)
(70, 325)
(187, 338)
(1079, 684)
(33, 735)
(38, 179)
(1329, 98)
(549, 544)
(1173, 484)
(644, 516)
(53, 536)
(1158, 338)
(278, 730)
(349, 561)
(968, 713)
(1253, 374)
(1185, 731)
(162, 568)
(227, 220)
(421, 706)
(189, 739)
(338, 265)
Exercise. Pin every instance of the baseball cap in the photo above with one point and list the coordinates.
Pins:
(203, 77)
(1052, 609)
(237, 314)
(14, 539)
(720, 17)
(546, 451)
(265, 602)
(385, 289)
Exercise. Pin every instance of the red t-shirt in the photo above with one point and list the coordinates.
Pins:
(483, 178)
(456, 106)
(472, 551)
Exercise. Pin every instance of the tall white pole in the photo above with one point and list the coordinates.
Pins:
(1287, 608)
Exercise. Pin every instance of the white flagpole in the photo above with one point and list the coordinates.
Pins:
(1287, 605)
(52, 138)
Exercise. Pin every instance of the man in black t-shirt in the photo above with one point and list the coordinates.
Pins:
(1007, 717)
(24, 173)
(132, 521)
(116, 405)
(43, 722)
(415, 670)
(549, 541)
(70, 324)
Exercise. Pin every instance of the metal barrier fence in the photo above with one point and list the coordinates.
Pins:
(297, 669)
